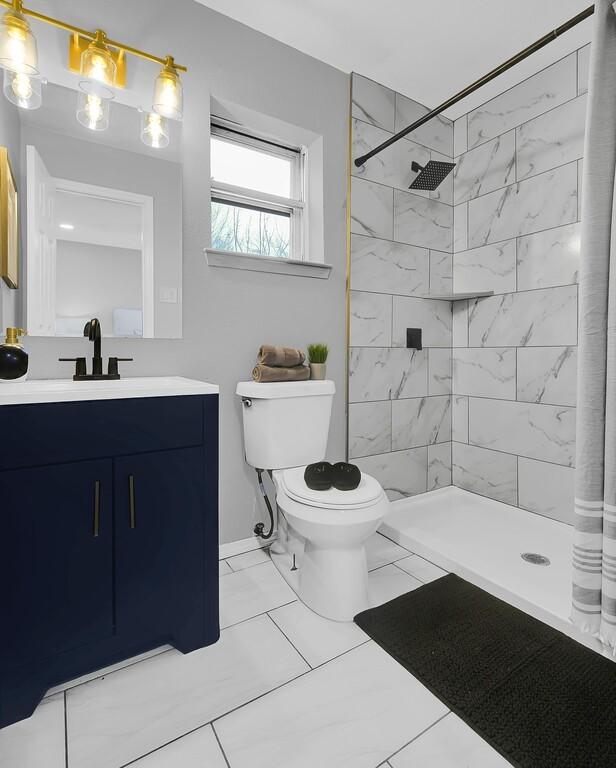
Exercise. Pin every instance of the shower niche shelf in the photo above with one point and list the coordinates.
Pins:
(459, 296)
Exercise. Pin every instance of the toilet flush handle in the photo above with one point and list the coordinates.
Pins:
(247, 402)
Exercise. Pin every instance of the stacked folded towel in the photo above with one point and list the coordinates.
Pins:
(265, 373)
(280, 357)
(280, 364)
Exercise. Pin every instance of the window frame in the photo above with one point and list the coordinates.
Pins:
(294, 206)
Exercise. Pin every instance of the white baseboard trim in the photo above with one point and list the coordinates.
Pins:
(243, 545)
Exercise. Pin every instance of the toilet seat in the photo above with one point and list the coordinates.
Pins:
(367, 493)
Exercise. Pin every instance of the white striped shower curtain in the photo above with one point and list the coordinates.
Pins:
(594, 551)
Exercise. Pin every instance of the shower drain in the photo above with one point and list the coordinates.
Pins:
(534, 558)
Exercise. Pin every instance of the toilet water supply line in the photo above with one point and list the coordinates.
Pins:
(258, 530)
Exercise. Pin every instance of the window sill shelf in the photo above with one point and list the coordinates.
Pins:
(232, 260)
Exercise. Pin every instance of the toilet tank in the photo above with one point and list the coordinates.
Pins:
(285, 423)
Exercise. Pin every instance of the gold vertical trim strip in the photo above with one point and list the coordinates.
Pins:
(348, 263)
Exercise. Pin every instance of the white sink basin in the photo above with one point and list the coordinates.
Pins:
(66, 390)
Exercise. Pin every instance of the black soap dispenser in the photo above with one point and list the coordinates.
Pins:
(13, 357)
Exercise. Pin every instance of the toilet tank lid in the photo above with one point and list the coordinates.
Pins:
(280, 389)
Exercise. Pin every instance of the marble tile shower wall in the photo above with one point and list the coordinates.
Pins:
(401, 251)
(516, 196)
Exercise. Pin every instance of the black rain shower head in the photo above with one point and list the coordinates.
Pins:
(431, 175)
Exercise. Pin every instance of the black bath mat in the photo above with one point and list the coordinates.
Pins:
(538, 697)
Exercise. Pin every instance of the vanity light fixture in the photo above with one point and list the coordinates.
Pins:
(101, 62)
(154, 130)
(168, 94)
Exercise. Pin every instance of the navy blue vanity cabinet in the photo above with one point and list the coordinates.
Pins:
(108, 537)
(56, 533)
(160, 529)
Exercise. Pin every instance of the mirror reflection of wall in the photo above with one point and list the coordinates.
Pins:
(101, 222)
(101, 271)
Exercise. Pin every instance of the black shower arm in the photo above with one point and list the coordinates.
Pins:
(478, 83)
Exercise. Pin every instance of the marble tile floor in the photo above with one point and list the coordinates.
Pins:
(283, 688)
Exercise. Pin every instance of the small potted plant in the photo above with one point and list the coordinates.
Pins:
(317, 357)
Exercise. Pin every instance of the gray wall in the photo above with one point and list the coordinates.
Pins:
(517, 192)
(401, 250)
(229, 313)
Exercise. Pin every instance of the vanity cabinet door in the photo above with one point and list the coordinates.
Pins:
(160, 547)
(56, 559)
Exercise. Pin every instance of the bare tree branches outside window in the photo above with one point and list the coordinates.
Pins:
(250, 231)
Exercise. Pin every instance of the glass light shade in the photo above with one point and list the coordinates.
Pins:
(94, 88)
(93, 111)
(17, 44)
(154, 130)
(168, 94)
(97, 63)
(25, 91)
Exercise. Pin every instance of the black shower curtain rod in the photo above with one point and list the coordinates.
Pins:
(478, 83)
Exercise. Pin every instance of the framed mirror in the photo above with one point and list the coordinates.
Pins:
(101, 222)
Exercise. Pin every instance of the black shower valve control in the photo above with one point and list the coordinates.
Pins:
(413, 338)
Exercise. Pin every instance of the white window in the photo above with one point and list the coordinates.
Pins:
(257, 195)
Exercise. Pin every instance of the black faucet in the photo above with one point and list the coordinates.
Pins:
(92, 330)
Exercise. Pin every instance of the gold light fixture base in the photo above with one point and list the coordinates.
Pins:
(78, 44)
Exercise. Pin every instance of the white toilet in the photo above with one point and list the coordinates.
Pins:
(320, 549)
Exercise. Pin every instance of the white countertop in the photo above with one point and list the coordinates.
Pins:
(67, 390)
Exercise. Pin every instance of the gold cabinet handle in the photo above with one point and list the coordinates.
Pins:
(131, 501)
(97, 508)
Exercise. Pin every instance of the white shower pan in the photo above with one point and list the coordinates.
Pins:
(482, 541)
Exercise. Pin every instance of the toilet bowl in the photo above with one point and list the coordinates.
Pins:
(327, 532)
(320, 546)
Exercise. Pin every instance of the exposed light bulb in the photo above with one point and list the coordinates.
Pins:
(22, 86)
(98, 71)
(154, 130)
(25, 91)
(93, 111)
(16, 46)
(168, 96)
(97, 62)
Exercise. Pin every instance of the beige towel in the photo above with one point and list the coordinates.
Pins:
(264, 373)
(286, 357)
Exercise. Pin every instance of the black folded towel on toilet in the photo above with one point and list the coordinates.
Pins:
(319, 476)
(322, 475)
(346, 476)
